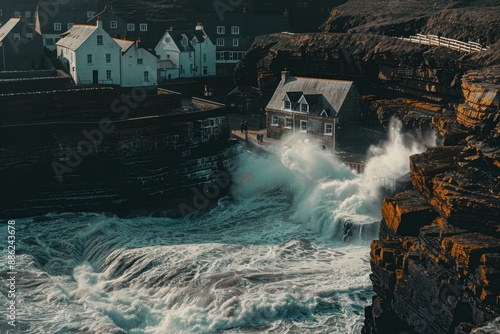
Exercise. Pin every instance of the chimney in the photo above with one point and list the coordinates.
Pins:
(199, 26)
(170, 28)
(137, 42)
(99, 22)
(284, 75)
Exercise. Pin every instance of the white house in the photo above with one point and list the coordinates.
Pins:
(90, 55)
(185, 54)
(93, 57)
(138, 65)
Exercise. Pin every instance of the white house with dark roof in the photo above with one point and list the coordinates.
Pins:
(138, 65)
(185, 54)
(93, 57)
(312, 106)
(52, 26)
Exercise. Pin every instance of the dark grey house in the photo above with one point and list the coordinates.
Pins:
(312, 106)
(21, 47)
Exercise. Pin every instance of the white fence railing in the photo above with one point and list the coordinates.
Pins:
(445, 42)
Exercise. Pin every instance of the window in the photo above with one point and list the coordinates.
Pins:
(108, 74)
(275, 120)
(221, 30)
(130, 27)
(90, 14)
(167, 40)
(303, 126)
(146, 76)
(113, 24)
(190, 55)
(168, 56)
(29, 36)
(287, 105)
(236, 42)
(230, 56)
(27, 13)
(17, 13)
(17, 37)
(143, 27)
(220, 41)
(235, 30)
(69, 25)
(190, 68)
(288, 123)
(99, 39)
(57, 26)
(89, 59)
(1, 12)
(108, 58)
(185, 41)
(304, 107)
(49, 41)
(139, 61)
(328, 129)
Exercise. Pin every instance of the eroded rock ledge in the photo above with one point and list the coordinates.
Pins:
(436, 265)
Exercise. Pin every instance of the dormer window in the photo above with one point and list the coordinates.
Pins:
(185, 41)
(287, 105)
(304, 107)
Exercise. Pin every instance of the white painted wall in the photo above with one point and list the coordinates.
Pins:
(133, 73)
(83, 73)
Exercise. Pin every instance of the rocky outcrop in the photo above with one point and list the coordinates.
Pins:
(436, 266)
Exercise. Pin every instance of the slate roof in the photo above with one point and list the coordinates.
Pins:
(166, 64)
(124, 44)
(73, 38)
(178, 35)
(7, 27)
(320, 94)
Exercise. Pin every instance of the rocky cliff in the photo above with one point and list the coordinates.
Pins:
(436, 265)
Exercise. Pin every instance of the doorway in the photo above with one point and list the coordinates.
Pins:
(95, 77)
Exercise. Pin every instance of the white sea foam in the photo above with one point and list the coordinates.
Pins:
(269, 258)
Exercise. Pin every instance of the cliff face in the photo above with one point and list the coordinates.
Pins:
(436, 266)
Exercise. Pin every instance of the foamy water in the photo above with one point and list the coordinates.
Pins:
(286, 252)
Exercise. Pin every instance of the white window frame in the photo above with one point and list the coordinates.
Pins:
(235, 30)
(1, 12)
(221, 30)
(17, 37)
(236, 42)
(130, 26)
(113, 24)
(89, 59)
(275, 120)
(108, 58)
(146, 76)
(109, 75)
(328, 126)
(27, 13)
(57, 26)
(17, 14)
(289, 105)
(143, 27)
(303, 124)
(100, 40)
(302, 107)
(69, 25)
(90, 14)
(29, 36)
(288, 120)
(220, 41)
